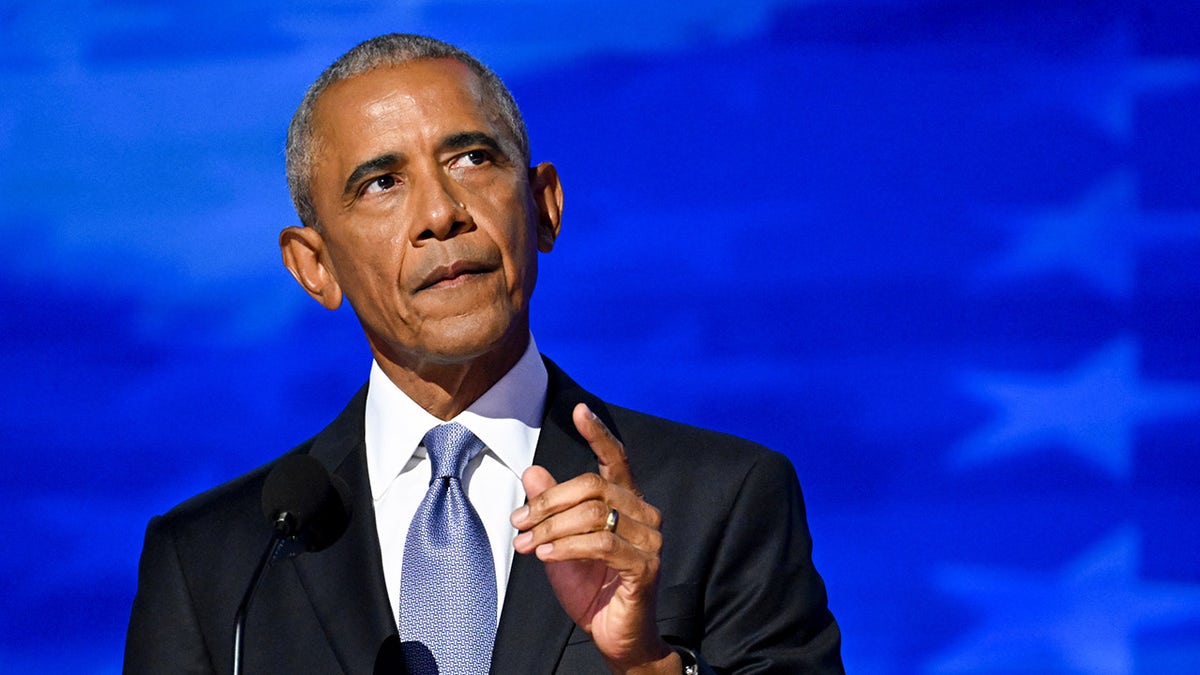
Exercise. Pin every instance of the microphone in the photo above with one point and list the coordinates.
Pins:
(389, 660)
(308, 509)
(303, 502)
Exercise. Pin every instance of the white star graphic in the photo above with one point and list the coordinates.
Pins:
(1091, 410)
(1096, 238)
(1093, 238)
(1083, 619)
(1104, 89)
(1113, 103)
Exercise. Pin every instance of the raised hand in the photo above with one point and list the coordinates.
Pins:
(600, 542)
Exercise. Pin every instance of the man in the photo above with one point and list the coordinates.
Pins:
(615, 541)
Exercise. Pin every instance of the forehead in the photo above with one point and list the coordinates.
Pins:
(385, 104)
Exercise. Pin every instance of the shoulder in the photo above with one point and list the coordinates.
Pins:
(689, 447)
(227, 517)
(704, 480)
(676, 462)
(236, 503)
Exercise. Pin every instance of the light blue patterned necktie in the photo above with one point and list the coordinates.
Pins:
(448, 580)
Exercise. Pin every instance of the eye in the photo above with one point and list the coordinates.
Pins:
(472, 158)
(381, 184)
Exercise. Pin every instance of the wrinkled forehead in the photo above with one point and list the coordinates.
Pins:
(424, 92)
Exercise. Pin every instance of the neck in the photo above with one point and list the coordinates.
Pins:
(446, 389)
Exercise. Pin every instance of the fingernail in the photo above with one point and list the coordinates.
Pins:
(545, 549)
(523, 539)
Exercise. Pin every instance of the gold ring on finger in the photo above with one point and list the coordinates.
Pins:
(610, 523)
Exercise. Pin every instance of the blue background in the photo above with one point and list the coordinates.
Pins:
(946, 255)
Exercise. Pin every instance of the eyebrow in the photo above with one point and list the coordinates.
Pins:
(369, 167)
(466, 139)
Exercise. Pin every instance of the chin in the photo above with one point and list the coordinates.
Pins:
(470, 338)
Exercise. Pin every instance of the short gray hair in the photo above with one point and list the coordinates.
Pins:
(385, 50)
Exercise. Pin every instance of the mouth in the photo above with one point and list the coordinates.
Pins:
(453, 274)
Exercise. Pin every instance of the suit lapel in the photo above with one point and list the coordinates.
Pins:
(345, 582)
(533, 627)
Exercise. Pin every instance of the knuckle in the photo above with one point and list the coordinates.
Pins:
(540, 505)
(654, 542)
(546, 530)
(598, 510)
(593, 483)
(653, 517)
(651, 568)
(608, 542)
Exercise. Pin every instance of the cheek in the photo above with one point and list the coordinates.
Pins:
(366, 268)
(523, 274)
(503, 215)
(520, 254)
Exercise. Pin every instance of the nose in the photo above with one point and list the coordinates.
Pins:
(439, 213)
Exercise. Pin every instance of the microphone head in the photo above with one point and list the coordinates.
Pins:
(302, 501)
(389, 660)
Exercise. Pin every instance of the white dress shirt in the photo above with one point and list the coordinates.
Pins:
(507, 418)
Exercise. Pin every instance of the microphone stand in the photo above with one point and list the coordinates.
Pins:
(308, 510)
(275, 551)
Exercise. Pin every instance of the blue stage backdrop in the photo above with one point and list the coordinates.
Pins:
(944, 254)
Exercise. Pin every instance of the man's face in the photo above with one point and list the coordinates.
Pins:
(430, 223)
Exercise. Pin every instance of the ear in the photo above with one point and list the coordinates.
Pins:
(305, 256)
(547, 194)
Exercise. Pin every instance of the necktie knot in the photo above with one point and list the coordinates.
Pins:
(450, 447)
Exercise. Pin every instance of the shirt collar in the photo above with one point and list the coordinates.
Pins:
(507, 418)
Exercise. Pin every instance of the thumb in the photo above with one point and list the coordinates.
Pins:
(537, 480)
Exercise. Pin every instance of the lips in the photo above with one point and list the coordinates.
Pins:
(450, 272)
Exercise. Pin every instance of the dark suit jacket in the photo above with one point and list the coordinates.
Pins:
(736, 584)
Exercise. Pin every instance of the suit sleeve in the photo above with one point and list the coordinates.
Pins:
(164, 634)
(765, 605)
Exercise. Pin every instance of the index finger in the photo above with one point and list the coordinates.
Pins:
(610, 453)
